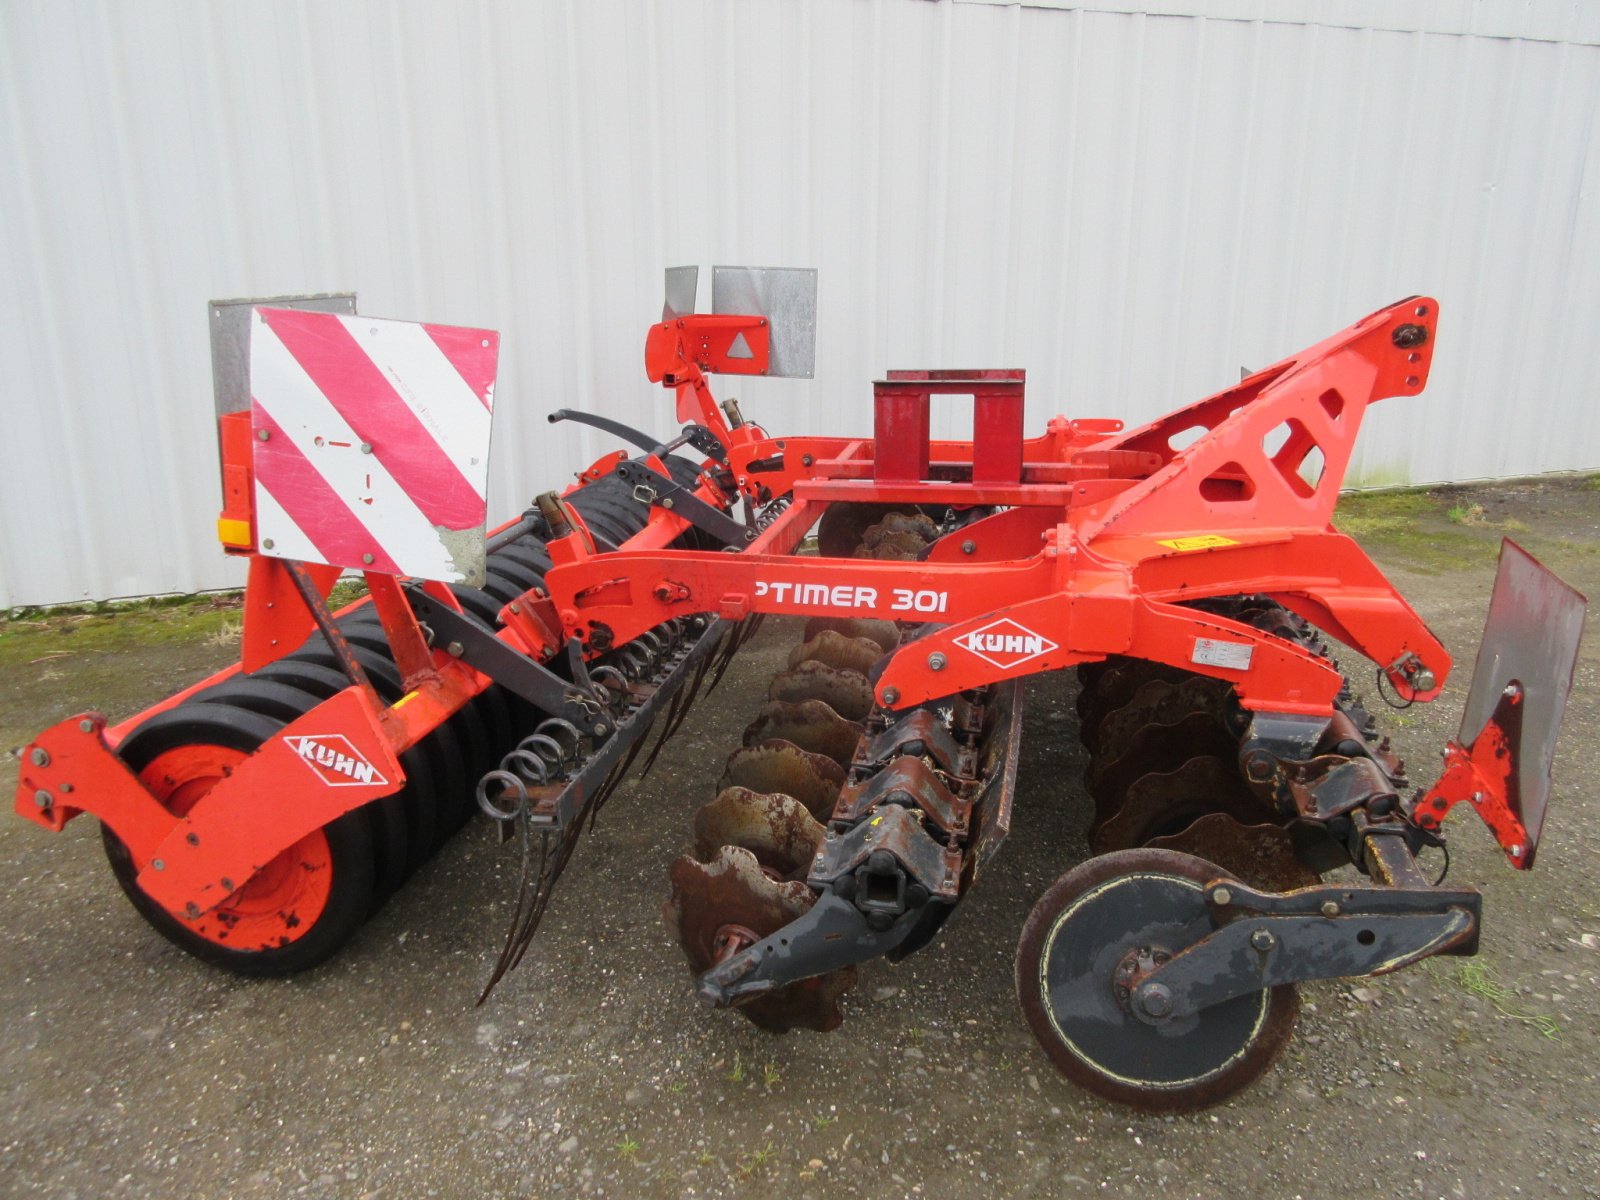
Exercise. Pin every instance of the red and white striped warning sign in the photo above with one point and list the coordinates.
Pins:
(372, 441)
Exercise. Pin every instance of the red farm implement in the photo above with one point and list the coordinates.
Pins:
(1188, 570)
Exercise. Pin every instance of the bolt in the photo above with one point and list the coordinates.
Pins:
(267, 544)
(66, 787)
(40, 757)
(227, 884)
(969, 546)
(891, 696)
(367, 558)
(86, 725)
(1263, 940)
(666, 502)
(1407, 336)
(1423, 680)
(263, 435)
(455, 649)
(1516, 850)
(1155, 999)
(366, 447)
(192, 838)
(158, 864)
(1259, 766)
(1330, 908)
(806, 460)
(192, 911)
(43, 798)
(936, 661)
(1221, 895)
(601, 729)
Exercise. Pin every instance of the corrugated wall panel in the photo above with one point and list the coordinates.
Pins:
(1130, 204)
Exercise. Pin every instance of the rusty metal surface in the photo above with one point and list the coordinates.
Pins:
(1159, 804)
(846, 692)
(907, 780)
(779, 830)
(1157, 749)
(1262, 855)
(810, 724)
(777, 766)
(919, 732)
(1158, 702)
(731, 895)
(885, 633)
(1110, 684)
(834, 648)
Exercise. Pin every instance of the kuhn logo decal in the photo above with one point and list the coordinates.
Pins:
(1005, 643)
(335, 760)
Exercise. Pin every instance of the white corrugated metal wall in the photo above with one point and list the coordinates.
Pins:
(1131, 204)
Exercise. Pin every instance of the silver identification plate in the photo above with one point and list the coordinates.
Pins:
(1234, 656)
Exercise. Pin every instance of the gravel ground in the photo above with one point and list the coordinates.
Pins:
(127, 1069)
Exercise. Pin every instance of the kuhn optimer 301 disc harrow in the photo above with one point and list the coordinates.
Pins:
(1188, 570)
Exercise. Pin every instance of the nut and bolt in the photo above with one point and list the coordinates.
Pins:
(1423, 680)
(1515, 850)
(455, 649)
(666, 502)
(601, 729)
(43, 798)
(1263, 940)
(158, 864)
(1221, 895)
(936, 661)
(366, 447)
(1407, 336)
(969, 547)
(40, 757)
(1155, 999)
(267, 544)
(86, 725)
(367, 558)
(891, 695)
(1330, 908)
(263, 435)
(192, 911)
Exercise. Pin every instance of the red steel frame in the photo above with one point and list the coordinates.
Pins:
(1102, 537)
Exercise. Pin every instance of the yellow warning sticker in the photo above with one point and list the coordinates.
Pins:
(404, 700)
(1209, 541)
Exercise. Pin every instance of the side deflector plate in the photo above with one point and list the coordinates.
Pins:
(787, 297)
(1530, 644)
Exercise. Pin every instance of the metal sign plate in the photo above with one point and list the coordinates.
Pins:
(230, 340)
(787, 297)
(372, 442)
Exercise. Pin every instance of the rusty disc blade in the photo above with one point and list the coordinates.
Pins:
(843, 653)
(1162, 803)
(810, 724)
(1157, 702)
(726, 902)
(1261, 855)
(779, 830)
(885, 633)
(777, 766)
(892, 544)
(1139, 905)
(1113, 685)
(846, 692)
(1156, 749)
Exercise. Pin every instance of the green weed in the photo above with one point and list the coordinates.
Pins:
(1473, 975)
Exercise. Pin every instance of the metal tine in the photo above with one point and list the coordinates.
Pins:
(678, 713)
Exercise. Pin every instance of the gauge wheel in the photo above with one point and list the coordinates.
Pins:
(1085, 945)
